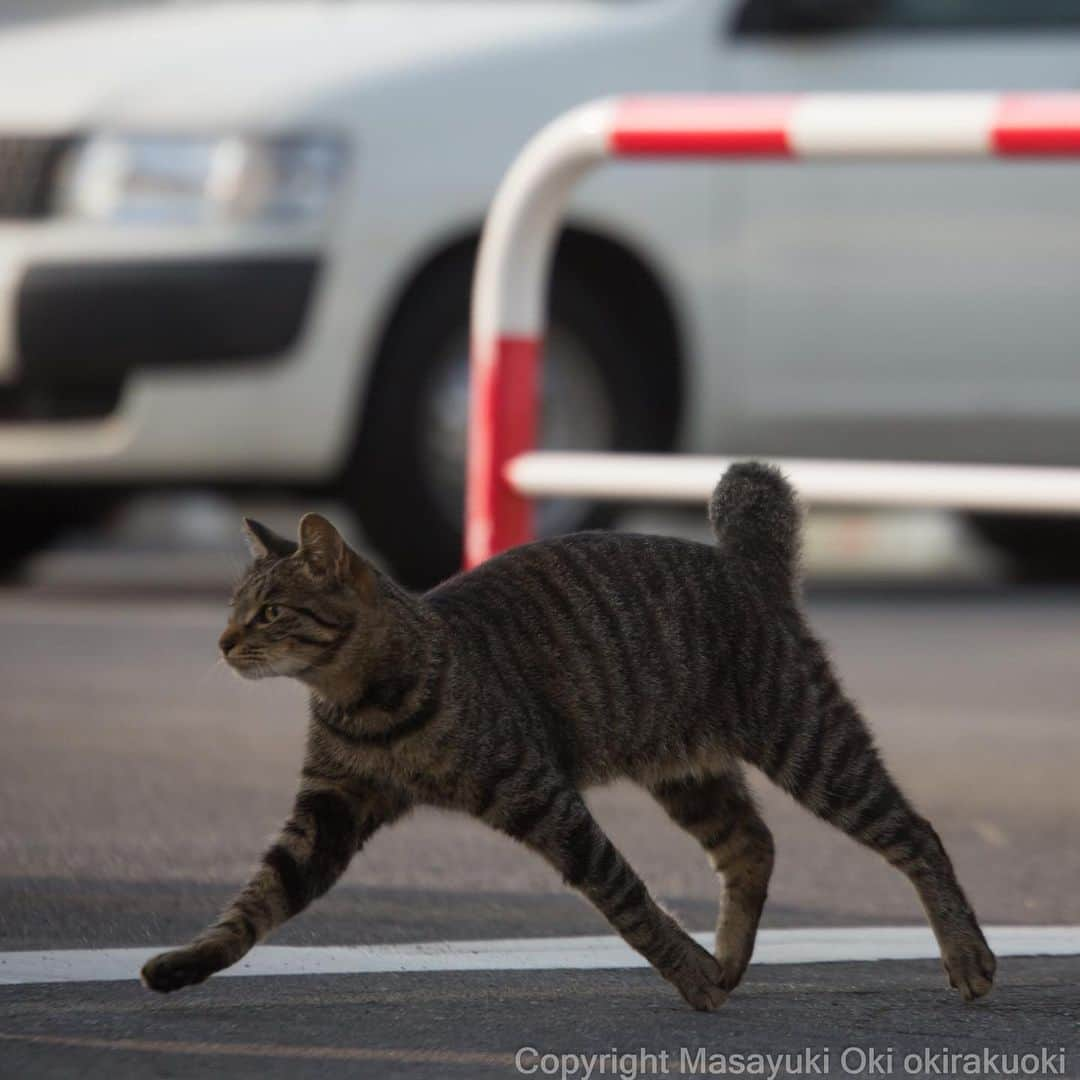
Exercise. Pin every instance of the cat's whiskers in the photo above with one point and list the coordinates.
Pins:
(211, 669)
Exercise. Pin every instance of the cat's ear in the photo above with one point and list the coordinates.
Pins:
(262, 541)
(321, 545)
(327, 555)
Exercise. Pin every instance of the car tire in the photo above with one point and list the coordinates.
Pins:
(36, 518)
(1035, 548)
(413, 517)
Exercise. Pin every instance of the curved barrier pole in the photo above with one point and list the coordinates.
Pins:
(507, 319)
(515, 252)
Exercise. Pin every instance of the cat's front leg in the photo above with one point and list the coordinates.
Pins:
(328, 825)
(552, 818)
(215, 949)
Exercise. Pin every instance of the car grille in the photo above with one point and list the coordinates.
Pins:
(37, 402)
(28, 170)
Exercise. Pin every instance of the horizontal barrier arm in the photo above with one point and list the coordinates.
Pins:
(520, 230)
(691, 478)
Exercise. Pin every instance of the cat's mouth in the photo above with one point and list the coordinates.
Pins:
(258, 667)
(248, 667)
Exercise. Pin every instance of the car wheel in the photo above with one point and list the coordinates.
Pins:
(36, 518)
(405, 477)
(1036, 548)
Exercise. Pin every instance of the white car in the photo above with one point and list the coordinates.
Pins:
(236, 242)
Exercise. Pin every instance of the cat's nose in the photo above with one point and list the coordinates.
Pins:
(227, 640)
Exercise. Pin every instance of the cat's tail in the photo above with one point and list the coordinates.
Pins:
(755, 517)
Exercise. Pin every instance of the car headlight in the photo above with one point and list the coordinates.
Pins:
(179, 179)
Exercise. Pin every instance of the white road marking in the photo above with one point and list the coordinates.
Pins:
(811, 946)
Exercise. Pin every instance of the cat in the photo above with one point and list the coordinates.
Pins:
(508, 690)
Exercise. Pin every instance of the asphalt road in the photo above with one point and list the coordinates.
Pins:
(139, 780)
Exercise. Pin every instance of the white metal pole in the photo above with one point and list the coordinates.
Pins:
(691, 478)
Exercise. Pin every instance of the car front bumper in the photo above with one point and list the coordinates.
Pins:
(88, 322)
(150, 356)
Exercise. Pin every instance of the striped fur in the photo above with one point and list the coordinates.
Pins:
(507, 691)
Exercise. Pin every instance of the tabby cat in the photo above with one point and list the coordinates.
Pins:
(508, 690)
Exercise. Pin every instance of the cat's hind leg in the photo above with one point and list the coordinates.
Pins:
(719, 812)
(821, 752)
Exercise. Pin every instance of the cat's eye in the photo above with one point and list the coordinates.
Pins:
(269, 612)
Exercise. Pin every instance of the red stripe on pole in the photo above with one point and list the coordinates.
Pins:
(1037, 125)
(702, 127)
(504, 423)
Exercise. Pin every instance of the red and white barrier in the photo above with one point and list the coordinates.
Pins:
(515, 255)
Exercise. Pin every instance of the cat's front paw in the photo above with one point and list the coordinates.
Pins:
(701, 980)
(184, 967)
(970, 966)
